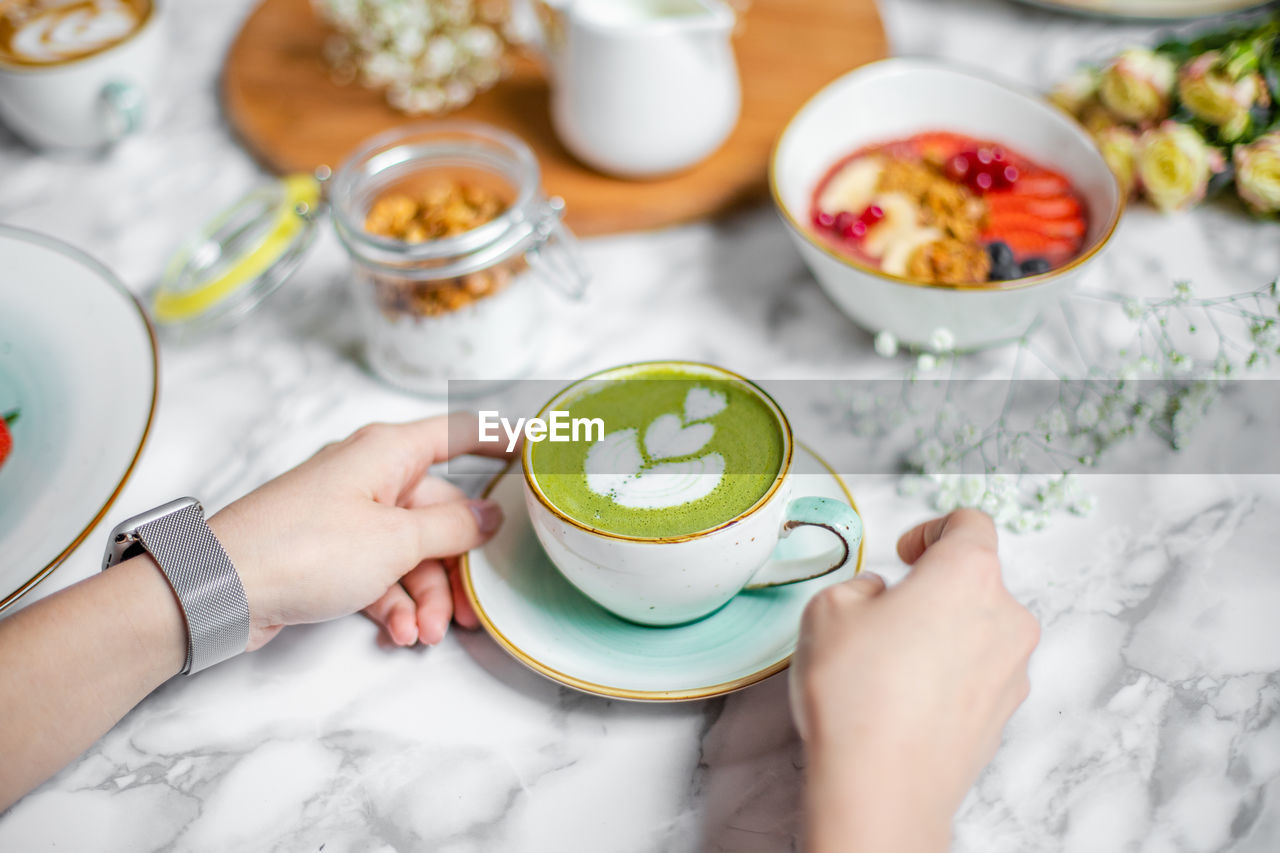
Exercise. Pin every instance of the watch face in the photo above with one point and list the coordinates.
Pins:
(124, 543)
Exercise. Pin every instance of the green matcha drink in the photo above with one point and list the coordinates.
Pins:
(681, 453)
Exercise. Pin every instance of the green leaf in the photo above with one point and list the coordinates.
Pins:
(11, 417)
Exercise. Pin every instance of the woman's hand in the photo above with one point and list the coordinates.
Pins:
(902, 694)
(362, 526)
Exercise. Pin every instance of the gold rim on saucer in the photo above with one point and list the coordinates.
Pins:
(529, 660)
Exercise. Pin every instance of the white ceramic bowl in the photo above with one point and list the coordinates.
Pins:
(896, 98)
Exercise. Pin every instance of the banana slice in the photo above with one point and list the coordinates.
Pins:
(852, 187)
(897, 256)
(901, 218)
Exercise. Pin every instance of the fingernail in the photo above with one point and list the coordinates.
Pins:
(436, 637)
(488, 515)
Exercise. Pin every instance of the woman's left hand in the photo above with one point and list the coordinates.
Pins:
(362, 526)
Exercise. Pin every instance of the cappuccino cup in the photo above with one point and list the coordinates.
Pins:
(78, 74)
(676, 502)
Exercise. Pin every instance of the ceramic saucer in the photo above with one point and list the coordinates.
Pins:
(545, 623)
(78, 362)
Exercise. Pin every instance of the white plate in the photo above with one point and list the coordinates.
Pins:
(78, 358)
(1160, 10)
(547, 624)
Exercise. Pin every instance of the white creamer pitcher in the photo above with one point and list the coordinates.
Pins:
(641, 88)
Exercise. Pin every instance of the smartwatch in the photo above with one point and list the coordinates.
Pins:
(206, 584)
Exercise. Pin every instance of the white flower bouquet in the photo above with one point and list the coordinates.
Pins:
(1189, 117)
(430, 56)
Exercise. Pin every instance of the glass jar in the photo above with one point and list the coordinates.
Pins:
(469, 306)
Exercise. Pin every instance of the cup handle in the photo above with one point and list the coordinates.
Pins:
(839, 518)
(123, 107)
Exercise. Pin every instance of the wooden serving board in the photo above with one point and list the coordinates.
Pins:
(280, 98)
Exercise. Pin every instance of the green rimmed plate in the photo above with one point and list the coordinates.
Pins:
(545, 623)
(78, 360)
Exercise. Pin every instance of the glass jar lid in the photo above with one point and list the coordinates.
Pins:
(240, 256)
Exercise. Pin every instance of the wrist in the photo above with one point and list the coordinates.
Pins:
(230, 526)
(861, 802)
(151, 615)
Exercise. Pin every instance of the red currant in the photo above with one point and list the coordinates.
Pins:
(873, 214)
(823, 219)
(856, 230)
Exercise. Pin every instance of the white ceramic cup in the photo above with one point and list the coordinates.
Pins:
(88, 102)
(677, 579)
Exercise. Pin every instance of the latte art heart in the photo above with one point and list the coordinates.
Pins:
(616, 467)
(682, 451)
(702, 404)
(667, 437)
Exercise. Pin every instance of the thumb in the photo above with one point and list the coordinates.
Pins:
(865, 584)
(447, 529)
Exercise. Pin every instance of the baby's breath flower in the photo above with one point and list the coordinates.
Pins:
(862, 403)
(1086, 414)
(942, 340)
(1081, 429)
(1266, 336)
(926, 362)
(947, 497)
(429, 55)
(886, 344)
(911, 485)
(1084, 505)
(971, 490)
(1026, 521)
(931, 455)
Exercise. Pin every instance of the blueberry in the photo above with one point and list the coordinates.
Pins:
(1000, 254)
(1035, 266)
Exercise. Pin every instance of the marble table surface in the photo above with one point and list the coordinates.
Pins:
(1152, 721)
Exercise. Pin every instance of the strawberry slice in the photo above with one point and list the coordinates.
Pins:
(1014, 220)
(1026, 243)
(6, 438)
(1041, 184)
(1043, 207)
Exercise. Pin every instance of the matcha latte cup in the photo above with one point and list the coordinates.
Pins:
(676, 502)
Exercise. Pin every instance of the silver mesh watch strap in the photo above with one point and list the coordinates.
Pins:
(205, 582)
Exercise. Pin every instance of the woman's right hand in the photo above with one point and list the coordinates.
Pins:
(902, 694)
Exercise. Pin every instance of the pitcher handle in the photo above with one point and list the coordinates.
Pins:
(839, 518)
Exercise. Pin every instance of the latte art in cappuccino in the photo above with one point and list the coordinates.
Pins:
(617, 469)
(48, 32)
(680, 453)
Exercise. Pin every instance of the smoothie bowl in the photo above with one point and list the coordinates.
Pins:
(923, 196)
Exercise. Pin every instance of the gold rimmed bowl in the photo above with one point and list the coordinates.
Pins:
(894, 99)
